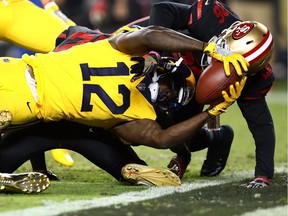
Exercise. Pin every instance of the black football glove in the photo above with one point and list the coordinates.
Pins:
(259, 182)
(146, 64)
(178, 166)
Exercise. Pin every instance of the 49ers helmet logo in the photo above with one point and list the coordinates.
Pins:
(242, 30)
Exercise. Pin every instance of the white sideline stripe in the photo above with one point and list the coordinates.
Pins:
(54, 208)
(277, 211)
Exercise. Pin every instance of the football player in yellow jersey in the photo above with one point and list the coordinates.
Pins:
(18, 18)
(91, 84)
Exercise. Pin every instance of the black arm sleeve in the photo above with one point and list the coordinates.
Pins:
(201, 19)
(170, 15)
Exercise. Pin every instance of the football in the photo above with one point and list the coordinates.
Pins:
(212, 82)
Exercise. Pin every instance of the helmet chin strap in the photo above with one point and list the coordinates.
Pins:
(177, 63)
(154, 87)
(180, 95)
(221, 48)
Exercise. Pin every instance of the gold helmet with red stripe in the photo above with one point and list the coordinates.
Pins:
(251, 39)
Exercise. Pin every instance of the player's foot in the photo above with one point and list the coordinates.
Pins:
(258, 182)
(212, 168)
(62, 157)
(149, 176)
(52, 176)
(5, 119)
(50, 5)
(218, 152)
(29, 183)
(49, 174)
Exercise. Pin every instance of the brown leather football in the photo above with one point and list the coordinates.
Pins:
(213, 81)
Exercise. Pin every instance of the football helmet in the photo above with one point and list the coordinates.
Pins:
(249, 38)
(173, 84)
(252, 40)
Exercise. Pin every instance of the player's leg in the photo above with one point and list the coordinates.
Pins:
(218, 143)
(27, 25)
(61, 156)
(38, 163)
(53, 8)
(101, 148)
(218, 151)
(121, 161)
(31, 182)
(107, 152)
(30, 143)
(36, 29)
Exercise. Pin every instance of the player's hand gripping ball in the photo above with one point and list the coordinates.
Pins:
(213, 81)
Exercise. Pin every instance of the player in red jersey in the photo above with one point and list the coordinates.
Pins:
(204, 20)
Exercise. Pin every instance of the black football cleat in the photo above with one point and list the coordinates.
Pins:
(211, 168)
(218, 151)
(52, 176)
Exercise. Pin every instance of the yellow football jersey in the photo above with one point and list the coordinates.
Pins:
(89, 84)
(27, 25)
(15, 94)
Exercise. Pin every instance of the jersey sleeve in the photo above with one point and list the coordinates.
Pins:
(76, 35)
(194, 19)
(170, 15)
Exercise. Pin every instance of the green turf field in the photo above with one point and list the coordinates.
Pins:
(212, 200)
(85, 181)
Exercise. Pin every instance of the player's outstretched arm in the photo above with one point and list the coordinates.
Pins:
(149, 133)
(160, 38)
(154, 38)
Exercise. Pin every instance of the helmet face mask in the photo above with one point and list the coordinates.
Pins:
(173, 84)
(250, 39)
